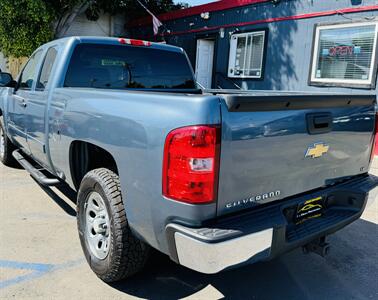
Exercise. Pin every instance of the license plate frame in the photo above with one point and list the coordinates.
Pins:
(309, 209)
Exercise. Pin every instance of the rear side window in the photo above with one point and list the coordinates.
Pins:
(29, 72)
(48, 63)
(125, 67)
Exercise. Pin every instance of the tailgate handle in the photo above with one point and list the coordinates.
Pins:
(319, 123)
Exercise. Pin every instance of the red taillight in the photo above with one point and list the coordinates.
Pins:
(191, 164)
(375, 139)
(134, 42)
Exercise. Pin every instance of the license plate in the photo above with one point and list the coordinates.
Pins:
(312, 208)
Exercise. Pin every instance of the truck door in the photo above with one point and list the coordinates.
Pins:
(19, 101)
(37, 108)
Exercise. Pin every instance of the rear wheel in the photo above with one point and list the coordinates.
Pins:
(6, 148)
(111, 249)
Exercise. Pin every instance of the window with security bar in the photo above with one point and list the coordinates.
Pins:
(345, 55)
(246, 55)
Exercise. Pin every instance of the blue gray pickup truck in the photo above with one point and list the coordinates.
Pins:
(214, 179)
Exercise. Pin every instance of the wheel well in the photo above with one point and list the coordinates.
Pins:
(85, 157)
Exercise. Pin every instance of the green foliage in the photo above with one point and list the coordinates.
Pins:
(131, 8)
(155, 6)
(24, 25)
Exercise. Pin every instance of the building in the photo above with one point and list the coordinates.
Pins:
(303, 45)
(106, 25)
(3, 62)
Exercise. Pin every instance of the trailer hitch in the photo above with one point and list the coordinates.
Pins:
(318, 246)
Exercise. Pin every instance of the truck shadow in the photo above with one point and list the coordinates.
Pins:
(69, 195)
(349, 271)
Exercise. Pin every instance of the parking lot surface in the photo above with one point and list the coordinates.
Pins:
(41, 258)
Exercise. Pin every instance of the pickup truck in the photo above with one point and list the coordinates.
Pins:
(214, 179)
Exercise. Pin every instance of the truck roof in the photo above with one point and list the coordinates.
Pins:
(109, 41)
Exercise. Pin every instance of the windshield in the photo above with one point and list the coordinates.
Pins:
(124, 67)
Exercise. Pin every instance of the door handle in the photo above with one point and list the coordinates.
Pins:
(21, 101)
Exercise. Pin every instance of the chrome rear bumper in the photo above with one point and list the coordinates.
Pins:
(212, 258)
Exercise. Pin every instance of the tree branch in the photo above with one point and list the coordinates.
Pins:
(67, 20)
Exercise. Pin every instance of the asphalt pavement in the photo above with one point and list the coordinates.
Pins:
(41, 258)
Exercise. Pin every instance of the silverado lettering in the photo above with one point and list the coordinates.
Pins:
(253, 199)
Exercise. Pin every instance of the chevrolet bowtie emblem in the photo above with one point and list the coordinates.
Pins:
(317, 150)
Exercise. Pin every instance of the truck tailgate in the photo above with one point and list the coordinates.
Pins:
(278, 146)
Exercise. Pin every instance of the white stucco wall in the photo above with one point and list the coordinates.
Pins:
(106, 25)
(3, 63)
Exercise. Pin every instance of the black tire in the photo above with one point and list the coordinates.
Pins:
(6, 158)
(127, 255)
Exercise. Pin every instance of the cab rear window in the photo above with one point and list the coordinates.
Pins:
(125, 67)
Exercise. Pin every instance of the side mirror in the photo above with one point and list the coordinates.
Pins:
(6, 80)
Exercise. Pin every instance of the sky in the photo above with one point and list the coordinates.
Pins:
(195, 2)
